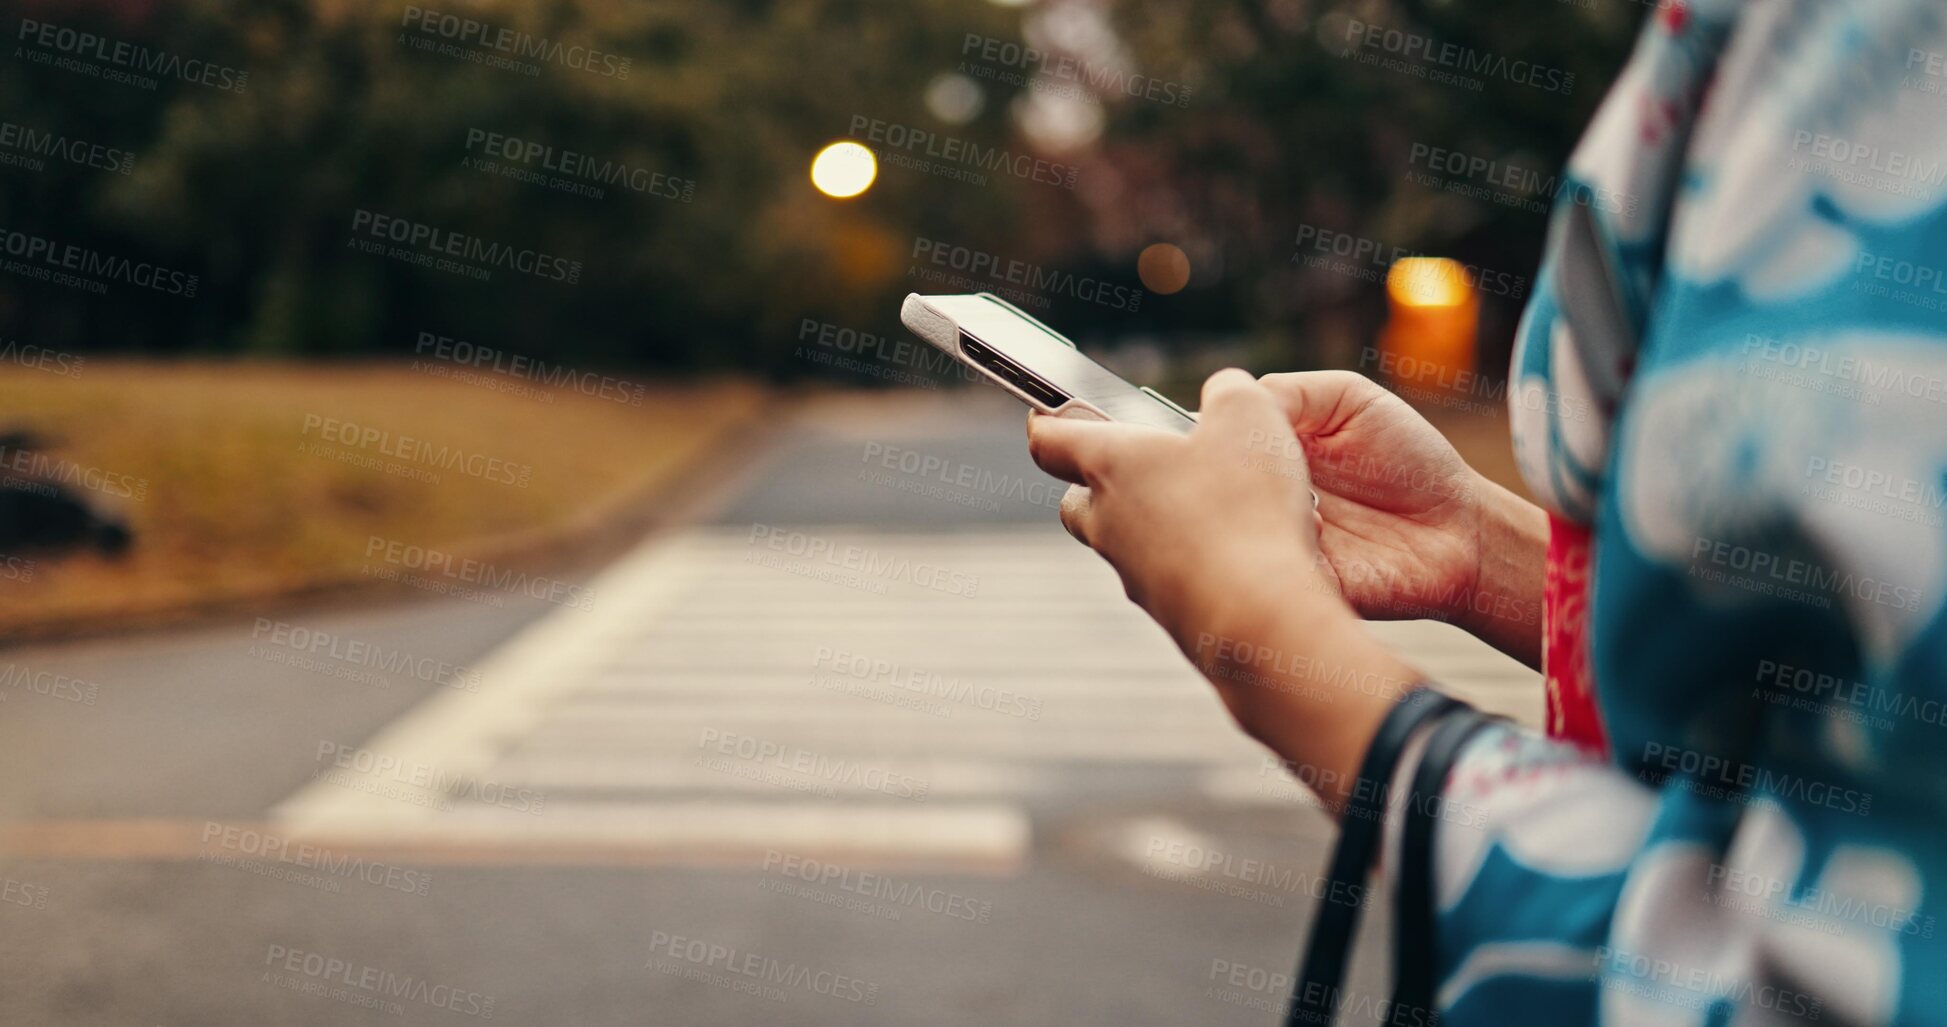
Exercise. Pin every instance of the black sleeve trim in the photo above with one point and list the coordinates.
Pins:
(1413, 920)
(1314, 996)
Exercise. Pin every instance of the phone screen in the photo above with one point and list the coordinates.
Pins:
(1041, 363)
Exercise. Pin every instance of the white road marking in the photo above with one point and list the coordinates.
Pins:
(722, 698)
(719, 828)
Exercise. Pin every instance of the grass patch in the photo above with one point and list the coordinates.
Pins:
(241, 501)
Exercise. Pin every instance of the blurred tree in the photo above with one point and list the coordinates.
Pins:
(344, 110)
(1290, 132)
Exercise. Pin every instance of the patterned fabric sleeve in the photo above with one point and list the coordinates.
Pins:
(1534, 839)
(1759, 458)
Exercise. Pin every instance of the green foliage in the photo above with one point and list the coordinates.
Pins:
(256, 190)
(1287, 132)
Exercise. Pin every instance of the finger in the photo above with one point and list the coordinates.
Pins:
(1072, 449)
(1237, 409)
(1321, 402)
(1231, 397)
(1240, 415)
(1077, 513)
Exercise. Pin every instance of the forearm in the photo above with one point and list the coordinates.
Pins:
(1504, 607)
(1301, 675)
(1298, 669)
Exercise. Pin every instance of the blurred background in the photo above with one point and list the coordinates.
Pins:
(476, 542)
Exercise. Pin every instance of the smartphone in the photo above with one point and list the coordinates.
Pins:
(1037, 364)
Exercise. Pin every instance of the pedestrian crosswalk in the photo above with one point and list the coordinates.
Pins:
(830, 691)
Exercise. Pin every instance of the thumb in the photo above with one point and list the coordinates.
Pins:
(1321, 402)
(1070, 448)
(1242, 415)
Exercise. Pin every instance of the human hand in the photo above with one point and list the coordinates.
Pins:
(1407, 529)
(1209, 532)
(1174, 514)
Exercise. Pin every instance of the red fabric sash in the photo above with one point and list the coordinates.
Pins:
(1572, 712)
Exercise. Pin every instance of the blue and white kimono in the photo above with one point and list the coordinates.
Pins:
(1758, 451)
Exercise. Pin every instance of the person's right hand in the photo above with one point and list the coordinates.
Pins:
(1407, 529)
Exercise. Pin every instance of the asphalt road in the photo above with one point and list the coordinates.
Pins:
(136, 892)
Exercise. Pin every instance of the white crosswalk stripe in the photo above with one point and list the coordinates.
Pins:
(821, 690)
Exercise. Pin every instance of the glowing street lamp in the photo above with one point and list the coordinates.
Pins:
(844, 170)
(1433, 321)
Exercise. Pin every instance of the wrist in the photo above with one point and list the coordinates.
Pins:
(1304, 678)
(1503, 607)
(1291, 647)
